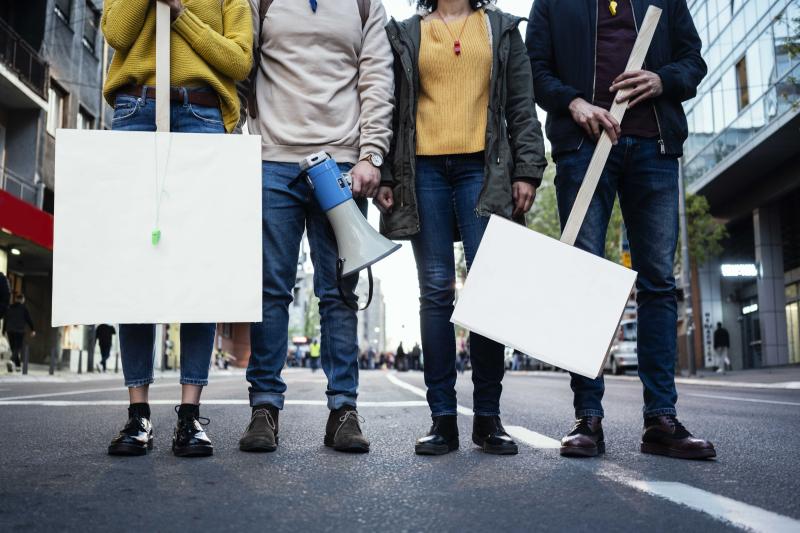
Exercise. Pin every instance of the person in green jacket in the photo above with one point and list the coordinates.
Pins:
(467, 144)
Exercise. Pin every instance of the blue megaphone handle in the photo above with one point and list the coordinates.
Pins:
(330, 187)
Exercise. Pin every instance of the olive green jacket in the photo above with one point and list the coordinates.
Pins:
(514, 146)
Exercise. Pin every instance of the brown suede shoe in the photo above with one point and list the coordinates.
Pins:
(665, 435)
(261, 434)
(585, 439)
(343, 431)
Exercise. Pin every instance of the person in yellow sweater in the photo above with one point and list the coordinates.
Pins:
(211, 49)
(467, 145)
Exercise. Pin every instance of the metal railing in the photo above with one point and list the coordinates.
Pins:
(19, 187)
(21, 58)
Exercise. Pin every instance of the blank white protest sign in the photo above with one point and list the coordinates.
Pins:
(544, 298)
(207, 265)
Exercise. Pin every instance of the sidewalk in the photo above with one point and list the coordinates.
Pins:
(40, 373)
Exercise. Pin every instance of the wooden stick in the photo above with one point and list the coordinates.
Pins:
(603, 148)
(162, 66)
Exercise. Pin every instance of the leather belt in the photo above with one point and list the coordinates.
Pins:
(202, 98)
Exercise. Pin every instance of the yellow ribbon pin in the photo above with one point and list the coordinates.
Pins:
(612, 6)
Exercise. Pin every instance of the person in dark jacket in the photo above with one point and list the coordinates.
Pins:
(578, 52)
(105, 336)
(722, 343)
(15, 325)
(5, 295)
(467, 144)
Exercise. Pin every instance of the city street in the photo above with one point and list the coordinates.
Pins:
(55, 474)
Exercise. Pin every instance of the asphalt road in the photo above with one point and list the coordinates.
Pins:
(55, 474)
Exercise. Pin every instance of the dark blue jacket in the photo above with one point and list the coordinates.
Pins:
(561, 44)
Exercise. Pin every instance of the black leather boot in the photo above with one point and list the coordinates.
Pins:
(442, 437)
(190, 439)
(489, 434)
(137, 435)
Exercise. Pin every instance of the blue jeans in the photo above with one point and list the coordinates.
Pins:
(647, 185)
(447, 194)
(287, 211)
(137, 340)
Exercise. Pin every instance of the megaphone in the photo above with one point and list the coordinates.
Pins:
(360, 246)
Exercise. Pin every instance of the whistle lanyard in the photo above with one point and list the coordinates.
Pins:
(161, 181)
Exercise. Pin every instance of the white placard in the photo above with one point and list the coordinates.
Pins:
(206, 266)
(544, 298)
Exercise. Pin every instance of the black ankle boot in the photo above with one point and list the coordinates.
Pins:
(190, 439)
(137, 435)
(442, 437)
(488, 433)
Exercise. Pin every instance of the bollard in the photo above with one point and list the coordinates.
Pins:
(53, 355)
(80, 361)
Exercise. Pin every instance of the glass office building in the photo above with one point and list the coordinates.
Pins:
(743, 154)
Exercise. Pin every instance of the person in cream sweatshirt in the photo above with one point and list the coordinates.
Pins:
(324, 82)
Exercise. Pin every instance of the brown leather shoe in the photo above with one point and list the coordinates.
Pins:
(585, 439)
(665, 435)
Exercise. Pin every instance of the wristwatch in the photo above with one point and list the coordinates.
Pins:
(374, 158)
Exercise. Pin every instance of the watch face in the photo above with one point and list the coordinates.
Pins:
(376, 159)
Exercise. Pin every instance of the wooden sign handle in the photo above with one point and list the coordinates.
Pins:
(162, 66)
(603, 148)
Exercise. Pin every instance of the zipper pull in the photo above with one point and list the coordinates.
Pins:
(661, 146)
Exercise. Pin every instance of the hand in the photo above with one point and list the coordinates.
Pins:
(366, 179)
(384, 199)
(594, 120)
(33, 333)
(175, 7)
(524, 194)
(641, 85)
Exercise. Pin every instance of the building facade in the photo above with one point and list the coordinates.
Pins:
(52, 64)
(743, 155)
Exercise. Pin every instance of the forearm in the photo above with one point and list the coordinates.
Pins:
(123, 21)
(376, 85)
(229, 53)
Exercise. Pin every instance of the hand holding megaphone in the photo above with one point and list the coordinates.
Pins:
(360, 246)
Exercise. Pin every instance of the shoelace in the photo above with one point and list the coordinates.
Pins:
(582, 424)
(677, 428)
(266, 414)
(201, 419)
(347, 416)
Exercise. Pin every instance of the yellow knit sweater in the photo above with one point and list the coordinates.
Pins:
(211, 45)
(454, 89)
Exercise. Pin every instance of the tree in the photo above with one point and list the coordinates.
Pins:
(543, 218)
(312, 316)
(705, 242)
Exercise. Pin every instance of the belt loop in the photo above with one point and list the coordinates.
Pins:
(143, 97)
(185, 94)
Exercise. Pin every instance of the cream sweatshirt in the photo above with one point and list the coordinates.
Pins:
(324, 83)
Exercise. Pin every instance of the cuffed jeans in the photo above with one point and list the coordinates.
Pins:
(287, 211)
(137, 340)
(647, 185)
(448, 188)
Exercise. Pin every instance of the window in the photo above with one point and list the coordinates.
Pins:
(63, 9)
(85, 120)
(742, 89)
(55, 109)
(91, 22)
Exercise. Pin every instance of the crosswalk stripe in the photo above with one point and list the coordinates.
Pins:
(421, 392)
(531, 438)
(737, 399)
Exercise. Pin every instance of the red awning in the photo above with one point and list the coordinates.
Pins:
(25, 220)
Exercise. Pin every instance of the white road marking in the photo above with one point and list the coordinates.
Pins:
(421, 392)
(734, 398)
(531, 438)
(728, 510)
(78, 403)
(87, 391)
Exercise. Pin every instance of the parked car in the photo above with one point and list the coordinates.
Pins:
(623, 354)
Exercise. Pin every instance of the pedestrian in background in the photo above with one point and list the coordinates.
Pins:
(416, 357)
(104, 333)
(5, 295)
(17, 321)
(467, 145)
(577, 75)
(314, 353)
(323, 83)
(211, 48)
(722, 343)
